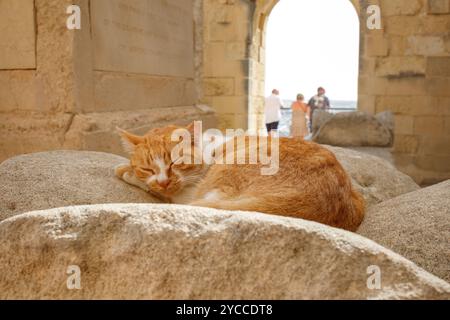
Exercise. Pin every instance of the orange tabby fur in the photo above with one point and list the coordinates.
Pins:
(310, 183)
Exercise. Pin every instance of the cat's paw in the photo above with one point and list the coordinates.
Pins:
(131, 179)
(121, 170)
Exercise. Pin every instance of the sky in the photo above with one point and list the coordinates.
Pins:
(312, 43)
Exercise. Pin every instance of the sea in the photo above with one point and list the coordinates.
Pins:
(286, 113)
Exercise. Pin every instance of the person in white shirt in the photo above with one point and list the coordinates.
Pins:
(273, 111)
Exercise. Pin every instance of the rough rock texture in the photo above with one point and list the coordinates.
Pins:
(62, 178)
(353, 129)
(173, 252)
(97, 131)
(383, 153)
(415, 225)
(387, 119)
(319, 118)
(375, 178)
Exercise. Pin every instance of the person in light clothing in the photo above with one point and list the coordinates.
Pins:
(319, 102)
(273, 107)
(299, 112)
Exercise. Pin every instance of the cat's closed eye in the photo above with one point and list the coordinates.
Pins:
(147, 171)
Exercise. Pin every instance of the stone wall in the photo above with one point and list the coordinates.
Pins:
(225, 67)
(131, 65)
(404, 67)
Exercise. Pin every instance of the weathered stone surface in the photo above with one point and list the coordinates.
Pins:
(401, 7)
(353, 129)
(319, 118)
(383, 153)
(438, 6)
(377, 46)
(17, 35)
(386, 118)
(173, 252)
(415, 225)
(401, 66)
(97, 131)
(26, 132)
(62, 178)
(375, 178)
(427, 45)
(150, 37)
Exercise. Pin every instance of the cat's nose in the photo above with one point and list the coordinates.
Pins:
(163, 183)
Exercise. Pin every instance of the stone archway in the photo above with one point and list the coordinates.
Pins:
(257, 58)
(402, 68)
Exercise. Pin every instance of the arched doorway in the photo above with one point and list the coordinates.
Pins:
(257, 71)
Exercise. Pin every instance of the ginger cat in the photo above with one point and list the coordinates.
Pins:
(310, 183)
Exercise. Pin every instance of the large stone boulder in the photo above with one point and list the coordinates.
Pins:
(319, 118)
(63, 178)
(354, 129)
(376, 179)
(415, 225)
(159, 251)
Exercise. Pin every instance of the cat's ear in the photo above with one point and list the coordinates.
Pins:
(129, 140)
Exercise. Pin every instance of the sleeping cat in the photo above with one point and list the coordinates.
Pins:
(310, 183)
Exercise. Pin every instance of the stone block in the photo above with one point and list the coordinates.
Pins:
(17, 34)
(429, 126)
(376, 45)
(404, 105)
(438, 67)
(367, 66)
(236, 50)
(217, 63)
(435, 24)
(398, 45)
(97, 131)
(404, 125)
(118, 91)
(402, 25)
(406, 144)
(229, 105)
(407, 86)
(151, 37)
(433, 163)
(366, 103)
(447, 126)
(218, 86)
(438, 6)
(438, 86)
(431, 145)
(401, 67)
(426, 46)
(400, 7)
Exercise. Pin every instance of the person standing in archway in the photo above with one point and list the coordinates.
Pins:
(299, 111)
(272, 110)
(320, 102)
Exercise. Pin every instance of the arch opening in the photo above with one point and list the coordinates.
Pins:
(303, 45)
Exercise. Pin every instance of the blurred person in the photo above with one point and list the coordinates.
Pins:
(319, 102)
(299, 112)
(272, 109)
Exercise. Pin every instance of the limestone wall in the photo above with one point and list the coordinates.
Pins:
(225, 64)
(130, 65)
(406, 69)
